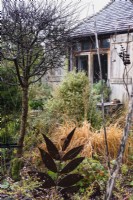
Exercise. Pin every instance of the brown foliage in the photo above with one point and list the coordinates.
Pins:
(92, 140)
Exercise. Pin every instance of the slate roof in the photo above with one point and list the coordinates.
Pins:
(116, 16)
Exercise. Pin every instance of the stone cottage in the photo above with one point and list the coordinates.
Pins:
(114, 28)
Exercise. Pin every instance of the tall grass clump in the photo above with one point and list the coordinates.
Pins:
(93, 141)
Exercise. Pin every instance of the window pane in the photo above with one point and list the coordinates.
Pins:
(77, 46)
(105, 43)
(85, 45)
(93, 44)
(82, 63)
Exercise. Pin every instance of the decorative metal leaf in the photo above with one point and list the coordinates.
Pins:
(53, 151)
(72, 165)
(70, 180)
(72, 153)
(68, 139)
(47, 181)
(48, 161)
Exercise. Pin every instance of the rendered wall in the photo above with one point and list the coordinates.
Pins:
(116, 67)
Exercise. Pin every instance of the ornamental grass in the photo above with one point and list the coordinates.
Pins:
(93, 141)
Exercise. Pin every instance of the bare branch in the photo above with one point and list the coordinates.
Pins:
(18, 72)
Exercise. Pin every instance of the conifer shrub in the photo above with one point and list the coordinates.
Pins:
(72, 100)
(16, 166)
(97, 91)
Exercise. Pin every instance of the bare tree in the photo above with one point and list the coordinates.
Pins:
(34, 38)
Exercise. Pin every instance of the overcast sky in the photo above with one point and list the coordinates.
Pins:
(87, 6)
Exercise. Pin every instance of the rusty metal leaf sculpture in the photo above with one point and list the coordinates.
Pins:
(68, 139)
(48, 161)
(72, 165)
(72, 153)
(53, 151)
(47, 181)
(69, 180)
(64, 184)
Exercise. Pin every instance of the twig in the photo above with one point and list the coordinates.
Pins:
(115, 171)
(102, 95)
(111, 181)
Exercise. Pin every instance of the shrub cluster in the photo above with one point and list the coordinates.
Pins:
(72, 100)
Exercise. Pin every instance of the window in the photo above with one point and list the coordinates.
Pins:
(82, 63)
(96, 70)
(104, 43)
(82, 46)
(85, 45)
(77, 46)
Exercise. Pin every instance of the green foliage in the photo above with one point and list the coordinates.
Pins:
(4, 184)
(131, 197)
(9, 128)
(25, 187)
(16, 166)
(71, 100)
(10, 100)
(10, 105)
(8, 135)
(124, 169)
(86, 195)
(97, 91)
(38, 95)
(22, 189)
(94, 172)
(36, 104)
(75, 93)
(52, 114)
(131, 183)
(32, 139)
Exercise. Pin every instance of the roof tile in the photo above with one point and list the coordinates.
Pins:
(116, 16)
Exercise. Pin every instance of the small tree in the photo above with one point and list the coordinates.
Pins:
(34, 36)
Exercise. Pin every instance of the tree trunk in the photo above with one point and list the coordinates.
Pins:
(23, 120)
